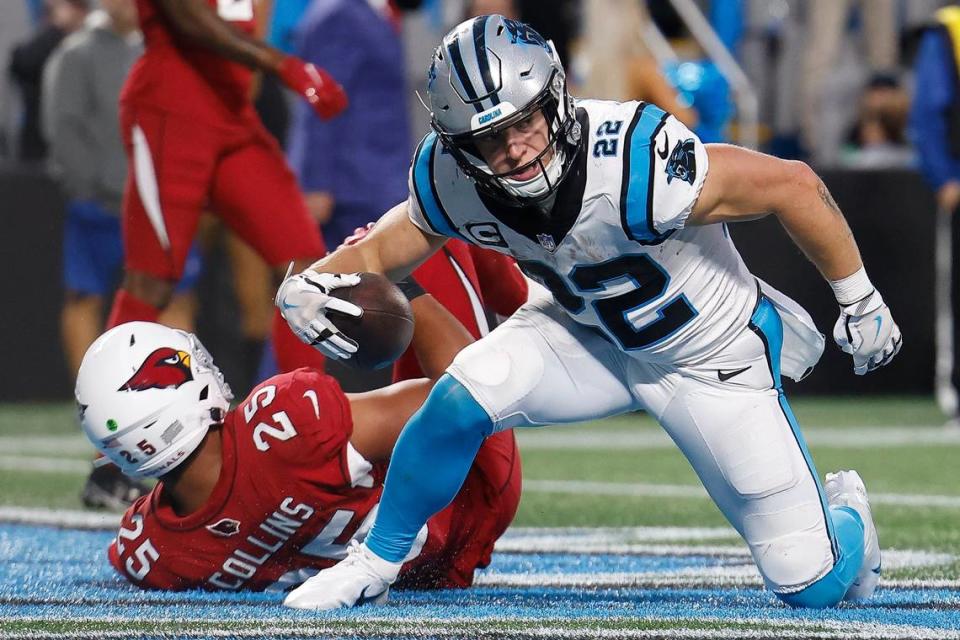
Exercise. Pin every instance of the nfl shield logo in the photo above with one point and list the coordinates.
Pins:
(547, 242)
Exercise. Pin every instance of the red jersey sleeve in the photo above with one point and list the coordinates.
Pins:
(144, 553)
(503, 287)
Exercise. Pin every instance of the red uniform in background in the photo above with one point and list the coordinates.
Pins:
(293, 492)
(466, 279)
(194, 143)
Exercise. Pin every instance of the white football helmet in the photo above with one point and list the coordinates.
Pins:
(146, 395)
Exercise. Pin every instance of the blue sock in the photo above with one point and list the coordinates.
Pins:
(429, 464)
(830, 589)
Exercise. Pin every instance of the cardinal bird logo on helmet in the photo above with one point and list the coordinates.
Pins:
(165, 368)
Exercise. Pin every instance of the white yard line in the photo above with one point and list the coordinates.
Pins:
(487, 627)
(561, 438)
(860, 437)
(73, 466)
(59, 445)
(636, 540)
(68, 518)
(69, 466)
(585, 487)
(738, 571)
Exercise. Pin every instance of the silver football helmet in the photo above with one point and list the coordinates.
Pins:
(488, 74)
(147, 394)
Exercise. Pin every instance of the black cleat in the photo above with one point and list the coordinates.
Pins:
(108, 488)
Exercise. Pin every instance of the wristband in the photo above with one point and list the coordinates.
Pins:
(410, 288)
(853, 288)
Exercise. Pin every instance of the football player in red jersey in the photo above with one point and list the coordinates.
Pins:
(195, 143)
(262, 496)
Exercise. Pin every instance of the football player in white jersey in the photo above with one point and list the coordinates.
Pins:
(620, 211)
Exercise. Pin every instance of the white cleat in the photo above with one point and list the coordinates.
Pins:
(360, 578)
(846, 489)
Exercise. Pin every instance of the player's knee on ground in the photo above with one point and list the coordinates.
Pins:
(831, 588)
(767, 486)
(785, 526)
(791, 548)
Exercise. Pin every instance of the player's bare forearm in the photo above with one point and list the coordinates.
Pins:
(395, 247)
(746, 185)
(262, 17)
(197, 22)
(379, 416)
(437, 336)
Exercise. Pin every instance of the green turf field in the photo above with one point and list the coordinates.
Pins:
(622, 472)
(918, 459)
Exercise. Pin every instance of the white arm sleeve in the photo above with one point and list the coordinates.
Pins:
(680, 168)
(417, 217)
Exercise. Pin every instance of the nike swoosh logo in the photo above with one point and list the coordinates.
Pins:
(666, 145)
(879, 321)
(365, 599)
(726, 375)
(284, 305)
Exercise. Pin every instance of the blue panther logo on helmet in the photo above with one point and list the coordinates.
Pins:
(524, 33)
(682, 164)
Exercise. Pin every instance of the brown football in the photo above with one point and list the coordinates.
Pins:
(384, 330)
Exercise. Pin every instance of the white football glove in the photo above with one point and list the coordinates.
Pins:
(866, 330)
(304, 300)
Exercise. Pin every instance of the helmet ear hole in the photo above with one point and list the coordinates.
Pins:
(205, 392)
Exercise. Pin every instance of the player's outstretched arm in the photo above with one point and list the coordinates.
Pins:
(745, 185)
(197, 22)
(394, 247)
(379, 416)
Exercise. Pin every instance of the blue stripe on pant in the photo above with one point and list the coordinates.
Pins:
(429, 464)
(844, 525)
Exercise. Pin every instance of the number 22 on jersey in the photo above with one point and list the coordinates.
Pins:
(617, 313)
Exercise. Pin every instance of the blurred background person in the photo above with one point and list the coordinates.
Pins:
(15, 23)
(354, 168)
(27, 61)
(829, 88)
(700, 85)
(878, 139)
(935, 122)
(615, 62)
(196, 144)
(558, 21)
(81, 87)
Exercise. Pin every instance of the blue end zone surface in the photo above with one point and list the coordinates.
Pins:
(62, 575)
